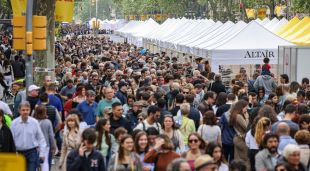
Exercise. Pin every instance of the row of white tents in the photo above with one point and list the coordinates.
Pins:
(108, 24)
(222, 43)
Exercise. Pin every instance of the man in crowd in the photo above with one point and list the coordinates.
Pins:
(266, 159)
(86, 157)
(117, 120)
(106, 103)
(28, 137)
(88, 108)
(153, 115)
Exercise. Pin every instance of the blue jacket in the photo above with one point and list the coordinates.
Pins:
(195, 116)
(121, 96)
(88, 112)
(94, 162)
(228, 132)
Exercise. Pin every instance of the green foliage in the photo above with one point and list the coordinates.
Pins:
(301, 6)
(5, 9)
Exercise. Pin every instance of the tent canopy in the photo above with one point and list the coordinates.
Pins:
(250, 46)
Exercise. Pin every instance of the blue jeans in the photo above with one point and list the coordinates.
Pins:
(32, 159)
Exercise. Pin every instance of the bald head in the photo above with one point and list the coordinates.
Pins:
(283, 129)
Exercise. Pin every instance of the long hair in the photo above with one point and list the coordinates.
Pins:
(203, 144)
(235, 110)
(121, 151)
(99, 129)
(210, 149)
(73, 117)
(137, 138)
(260, 129)
(173, 121)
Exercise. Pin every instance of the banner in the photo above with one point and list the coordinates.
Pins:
(19, 7)
(64, 10)
(143, 17)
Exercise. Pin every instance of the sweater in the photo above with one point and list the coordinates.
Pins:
(163, 159)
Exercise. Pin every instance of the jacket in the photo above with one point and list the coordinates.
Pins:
(218, 87)
(6, 140)
(121, 122)
(94, 162)
(263, 161)
(121, 96)
(267, 82)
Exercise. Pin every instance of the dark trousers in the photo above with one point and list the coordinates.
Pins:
(32, 159)
(228, 152)
(252, 153)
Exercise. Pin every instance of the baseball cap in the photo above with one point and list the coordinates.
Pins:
(33, 87)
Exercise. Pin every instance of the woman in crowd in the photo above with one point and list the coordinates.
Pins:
(291, 156)
(8, 72)
(197, 148)
(80, 95)
(255, 136)
(302, 137)
(141, 148)
(274, 102)
(221, 99)
(169, 128)
(239, 120)
(162, 154)
(215, 151)
(209, 130)
(188, 125)
(105, 140)
(6, 138)
(125, 159)
(48, 132)
(262, 96)
(71, 139)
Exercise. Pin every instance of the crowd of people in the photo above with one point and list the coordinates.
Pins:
(114, 106)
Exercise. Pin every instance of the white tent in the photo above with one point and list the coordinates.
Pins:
(277, 26)
(135, 36)
(249, 46)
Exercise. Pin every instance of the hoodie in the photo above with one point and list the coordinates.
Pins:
(267, 82)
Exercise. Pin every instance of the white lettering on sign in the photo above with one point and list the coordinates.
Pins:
(259, 54)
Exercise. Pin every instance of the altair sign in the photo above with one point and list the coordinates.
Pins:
(259, 54)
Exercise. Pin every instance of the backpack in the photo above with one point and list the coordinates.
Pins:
(157, 125)
(228, 132)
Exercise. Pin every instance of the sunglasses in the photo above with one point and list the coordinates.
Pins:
(185, 92)
(193, 141)
(140, 119)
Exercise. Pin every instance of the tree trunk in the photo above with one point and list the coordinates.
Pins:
(45, 59)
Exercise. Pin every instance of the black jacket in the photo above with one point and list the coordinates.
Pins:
(94, 162)
(218, 87)
(6, 140)
(122, 122)
(18, 69)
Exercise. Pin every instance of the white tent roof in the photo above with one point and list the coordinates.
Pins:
(277, 26)
(249, 46)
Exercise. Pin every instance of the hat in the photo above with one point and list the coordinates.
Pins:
(121, 84)
(33, 87)
(203, 161)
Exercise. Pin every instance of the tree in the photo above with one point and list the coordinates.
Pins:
(45, 59)
(6, 9)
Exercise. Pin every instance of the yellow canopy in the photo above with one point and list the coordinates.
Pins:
(302, 32)
(305, 41)
(289, 25)
(295, 28)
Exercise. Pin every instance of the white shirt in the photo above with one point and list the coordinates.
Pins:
(28, 135)
(250, 141)
(156, 125)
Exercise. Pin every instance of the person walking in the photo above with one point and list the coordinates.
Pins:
(28, 137)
